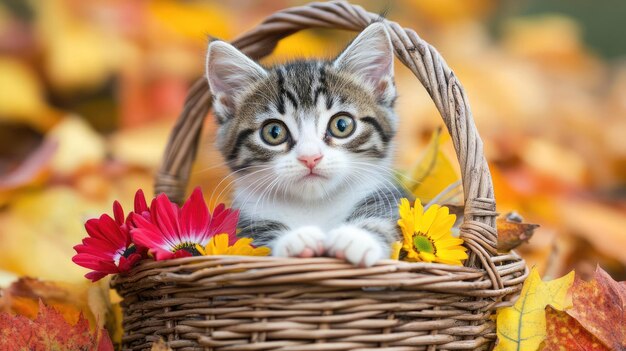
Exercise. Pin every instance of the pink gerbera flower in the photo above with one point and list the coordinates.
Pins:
(108, 249)
(173, 232)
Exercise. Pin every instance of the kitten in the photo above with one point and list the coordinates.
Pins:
(310, 144)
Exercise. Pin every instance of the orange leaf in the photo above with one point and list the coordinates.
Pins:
(565, 333)
(72, 301)
(512, 232)
(24, 297)
(600, 307)
(50, 331)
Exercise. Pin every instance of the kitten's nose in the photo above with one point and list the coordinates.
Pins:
(310, 160)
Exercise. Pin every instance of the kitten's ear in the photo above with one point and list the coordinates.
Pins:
(229, 72)
(370, 56)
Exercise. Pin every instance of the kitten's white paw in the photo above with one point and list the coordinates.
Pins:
(301, 242)
(355, 245)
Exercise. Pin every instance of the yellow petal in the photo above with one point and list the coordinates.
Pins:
(427, 220)
(452, 255)
(395, 250)
(448, 243)
(427, 257)
(453, 262)
(443, 222)
(261, 251)
(221, 244)
(418, 211)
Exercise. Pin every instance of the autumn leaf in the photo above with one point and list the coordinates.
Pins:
(91, 301)
(22, 96)
(512, 232)
(600, 307)
(565, 333)
(433, 172)
(523, 326)
(602, 225)
(192, 19)
(49, 331)
(141, 147)
(79, 146)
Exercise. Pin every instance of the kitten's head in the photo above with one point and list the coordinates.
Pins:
(309, 128)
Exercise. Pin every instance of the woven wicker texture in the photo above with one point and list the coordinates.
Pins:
(246, 303)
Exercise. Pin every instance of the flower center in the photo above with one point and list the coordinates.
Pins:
(130, 250)
(423, 243)
(124, 252)
(189, 247)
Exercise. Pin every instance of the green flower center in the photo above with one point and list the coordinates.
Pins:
(189, 247)
(423, 243)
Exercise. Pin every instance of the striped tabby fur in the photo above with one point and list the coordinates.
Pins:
(310, 144)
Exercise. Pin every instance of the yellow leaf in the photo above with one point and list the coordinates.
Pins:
(141, 147)
(450, 11)
(433, 172)
(301, 44)
(523, 326)
(79, 146)
(39, 230)
(193, 20)
(22, 95)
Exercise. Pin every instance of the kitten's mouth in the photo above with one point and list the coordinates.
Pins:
(313, 176)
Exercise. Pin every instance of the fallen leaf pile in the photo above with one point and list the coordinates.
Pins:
(50, 331)
(565, 314)
(91, 89)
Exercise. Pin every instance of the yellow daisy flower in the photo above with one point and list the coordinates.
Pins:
(218, 245)
(396, 246)
(428, 235)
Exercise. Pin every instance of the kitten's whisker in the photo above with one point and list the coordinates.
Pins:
(385, 183)
(390, 171)
(210, 168)
(255, 183)
(232, 182)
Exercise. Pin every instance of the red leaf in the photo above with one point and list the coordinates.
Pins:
(565, 333)
(600, 307)
(49, 331)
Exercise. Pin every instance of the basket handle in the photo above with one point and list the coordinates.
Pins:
(478, 229)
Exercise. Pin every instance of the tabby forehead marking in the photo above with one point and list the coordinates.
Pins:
(307, 90)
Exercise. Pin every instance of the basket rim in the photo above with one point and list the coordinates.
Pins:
(232, 270)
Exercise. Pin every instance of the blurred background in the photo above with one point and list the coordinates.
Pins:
(90, 89)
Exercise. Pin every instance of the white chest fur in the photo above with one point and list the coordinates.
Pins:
(327, 213)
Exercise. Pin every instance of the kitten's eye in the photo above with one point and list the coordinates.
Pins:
(341, 125)
(274, 132)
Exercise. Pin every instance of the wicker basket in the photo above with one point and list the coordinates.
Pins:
(264, 303)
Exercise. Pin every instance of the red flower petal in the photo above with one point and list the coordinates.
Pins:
(194, 219)
(95, 276)
(95, 263)
(224, 221)
(181, 254)
(114, 233)
(165, 216)
(108, 238)
(147, 234)
(126, 263)
(141, 205)
(118, 213)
